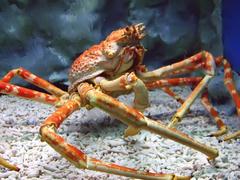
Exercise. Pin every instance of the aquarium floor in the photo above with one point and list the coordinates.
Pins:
(102, 137)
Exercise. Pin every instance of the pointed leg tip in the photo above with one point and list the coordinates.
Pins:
(170, 125)
(14, 168)
(131, 131)
(17, 169)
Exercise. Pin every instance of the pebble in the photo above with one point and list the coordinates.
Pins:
(33, 173)
(58, 175)
(7, 174)
(50, 168)
(2, 150)
(119, 151)
(221, 165)
(114, 143)
(32, 121)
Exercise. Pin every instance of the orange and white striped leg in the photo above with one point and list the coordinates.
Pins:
(136, 121)
(172, 94)
(232, 136)
(78, 157)
(22, 92)
(180, 82)
(199, 60)
(191, 98)
(173, 82)
(14, 90)
(6, 164)
(228, 81)
(165, 84)
(220, 124)
(33, 79)
(209, 68)
(185, 70)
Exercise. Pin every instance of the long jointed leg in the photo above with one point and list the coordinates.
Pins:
(172, 94)
(78, 157)
(14, 90)
(165, 84)
(188, 65)
(232, 136)
(221, 126)
(7, 88)
(186, 105)
(173, 82)
(33, 79)
(209, 69)
(202, 60)
(228, 81)
(137, 121)
(6, 164)
(185, 70)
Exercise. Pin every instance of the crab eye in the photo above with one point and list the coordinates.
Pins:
(127, 28)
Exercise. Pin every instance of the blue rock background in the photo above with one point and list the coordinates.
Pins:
(44, 36)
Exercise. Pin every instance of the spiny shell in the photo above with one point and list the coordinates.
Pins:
(86, 66)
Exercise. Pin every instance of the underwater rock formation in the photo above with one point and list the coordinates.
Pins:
(45, 36)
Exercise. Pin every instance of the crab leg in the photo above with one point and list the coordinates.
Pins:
(232, 136)
(137, 121)
(205, 100)
(187, 65)
(172, 94)
(221, 126)
(173, 82)
(15, 90)
(78, 157)
(33, 79)
(228, 81)
(182, 81)
(191, 98)
(204, 61)
(185, 70)
(209, 68)
(164, 83)
(6, 164)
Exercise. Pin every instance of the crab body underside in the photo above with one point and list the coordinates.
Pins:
(112, 68)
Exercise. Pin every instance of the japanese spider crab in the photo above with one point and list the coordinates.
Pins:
(112, 68)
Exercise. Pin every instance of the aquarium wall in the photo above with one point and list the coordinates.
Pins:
(231, 29)
(144, 130)
(45, 36)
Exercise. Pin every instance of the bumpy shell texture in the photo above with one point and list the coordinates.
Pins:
(86, 66)
(106, 55)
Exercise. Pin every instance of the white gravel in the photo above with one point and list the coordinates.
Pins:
(102, 137)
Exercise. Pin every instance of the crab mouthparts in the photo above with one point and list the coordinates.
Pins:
(140, 30)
